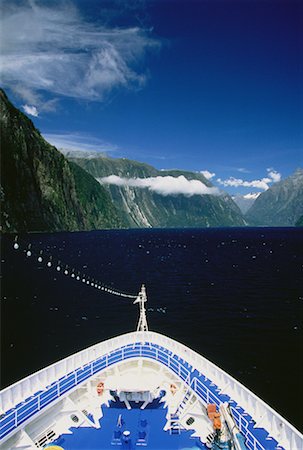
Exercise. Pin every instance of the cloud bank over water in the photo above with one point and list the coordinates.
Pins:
(163, 185)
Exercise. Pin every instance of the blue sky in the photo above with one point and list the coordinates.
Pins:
(203, 85)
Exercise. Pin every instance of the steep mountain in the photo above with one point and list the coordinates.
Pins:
(280, 205)
(40, 189)
(142, 207)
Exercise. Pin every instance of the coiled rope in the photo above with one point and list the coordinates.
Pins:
(67, 271)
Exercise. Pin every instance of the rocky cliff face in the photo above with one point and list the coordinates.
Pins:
(280, 205)
(144, 208)
(40, 190)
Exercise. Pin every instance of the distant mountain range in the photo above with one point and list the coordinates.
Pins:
(88, 154)
(141, 207)
(42, 190)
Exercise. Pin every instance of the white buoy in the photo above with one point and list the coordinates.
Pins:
(49, 264)
(28, 253)
(78, 278)
(83, 280)
(87, 282)
(58, 268)
(73, 275)
(16, 245)
(65, 272)
(40, 259)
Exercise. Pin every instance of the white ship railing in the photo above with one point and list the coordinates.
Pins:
(32, 395)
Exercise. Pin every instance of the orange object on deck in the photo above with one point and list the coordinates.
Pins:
(217, 423)
(211, 410)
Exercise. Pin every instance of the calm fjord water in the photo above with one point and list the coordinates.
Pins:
(233, 295)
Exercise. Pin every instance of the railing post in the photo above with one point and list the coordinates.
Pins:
(39, 400)
(16, 419)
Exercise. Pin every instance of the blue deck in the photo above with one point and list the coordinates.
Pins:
(145, 427)
(256, 438)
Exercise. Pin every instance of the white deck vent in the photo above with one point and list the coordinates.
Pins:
(46, 438)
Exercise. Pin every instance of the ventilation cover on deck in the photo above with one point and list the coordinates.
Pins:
(46, 438)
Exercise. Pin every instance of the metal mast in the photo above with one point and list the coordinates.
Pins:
(141, 299)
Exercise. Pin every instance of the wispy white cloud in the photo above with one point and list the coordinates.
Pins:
(49, 47)
(243, 170)
(77, 141)
(263, 183)
(31, 110)
(166, 185)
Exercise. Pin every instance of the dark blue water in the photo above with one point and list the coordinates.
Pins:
(233, 295)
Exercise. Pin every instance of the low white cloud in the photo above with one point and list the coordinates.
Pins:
(274, 175)
(263, 183)
(48, 47)
(208, 175)
(31, 110)
(163, 185)
(236, 182)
